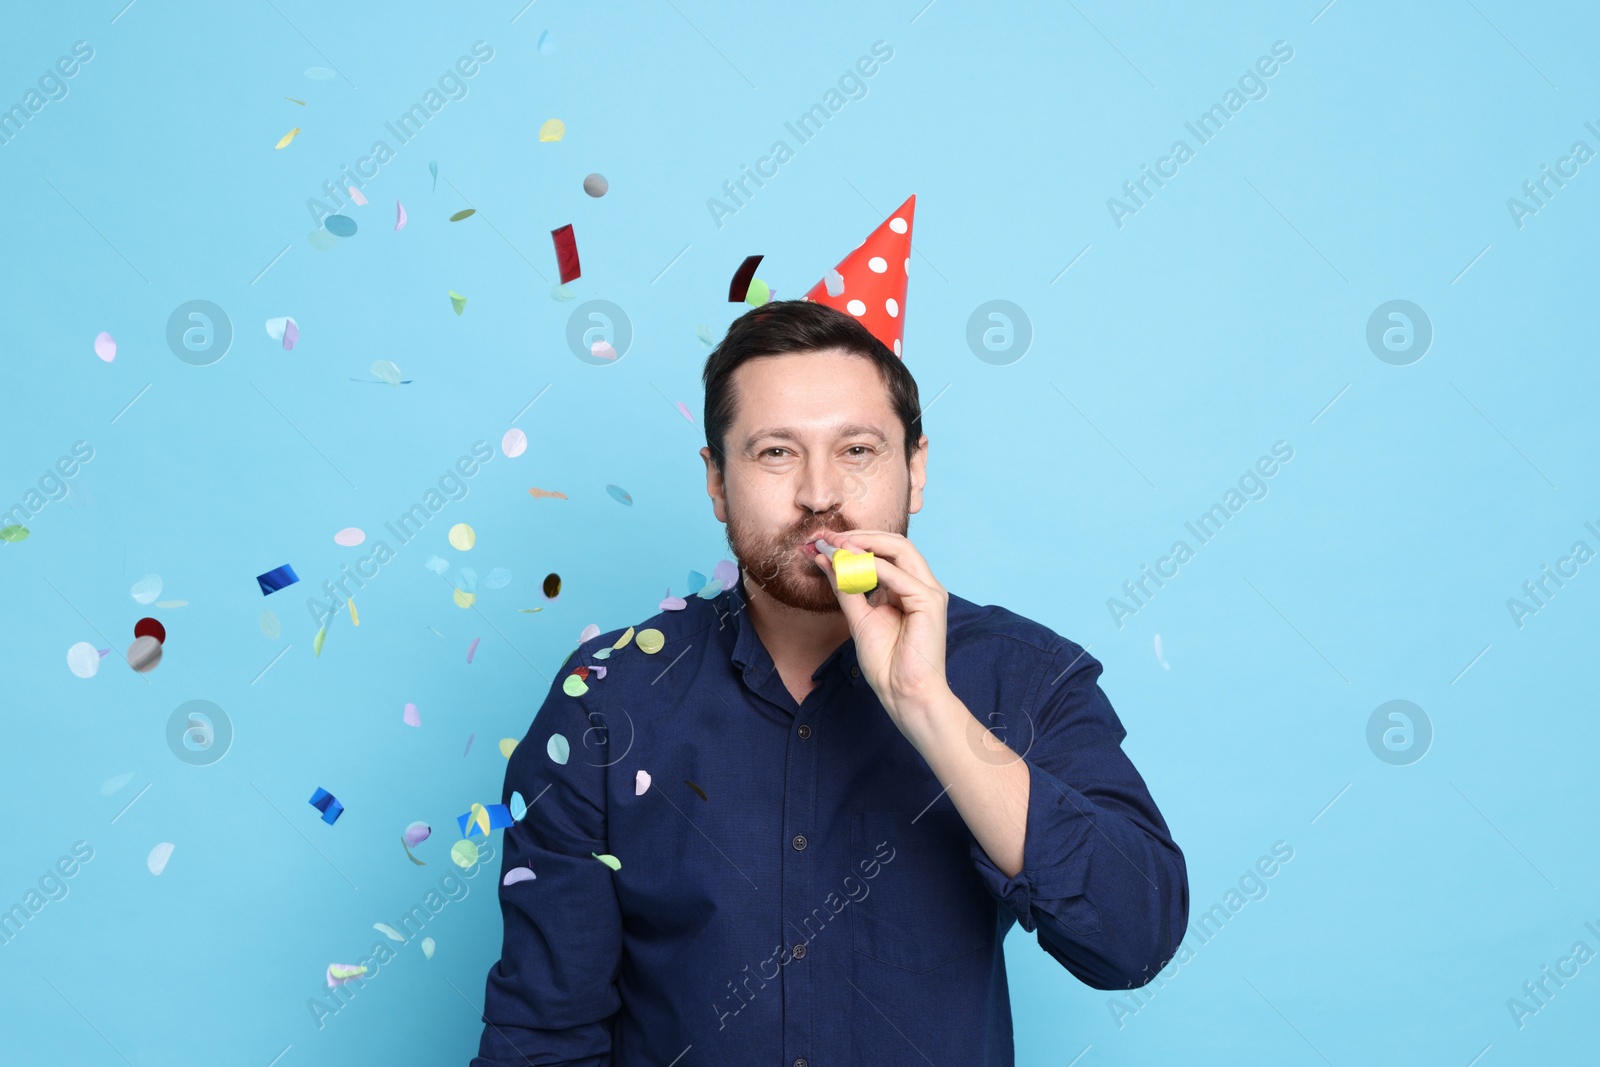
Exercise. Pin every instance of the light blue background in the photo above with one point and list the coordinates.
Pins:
(1224, 316)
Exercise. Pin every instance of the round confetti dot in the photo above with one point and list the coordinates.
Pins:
(596, 185)
(340, 225)
(508, 745)
(271, 628)
(877, 264)
(557, 747)
(150, 628)
(464, 853)
(514, 443)
(105, 346)
(603, 350)
(856, 307)
(157, 860)
(651, 640)
(83, 660)
(573, 686)
(552, 130)
(552, 585)
(463, 598)
(144, 654)
(462, 536)
(13, 533)
(892, 306)
(417, 833)
(758, 293)
(146, 589)
(897, 224)
(350, 536)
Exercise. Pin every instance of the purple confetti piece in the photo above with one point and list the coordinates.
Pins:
(469, 745)
(472, 649)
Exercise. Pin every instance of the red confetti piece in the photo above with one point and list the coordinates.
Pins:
(739, 288)
(566, 253)
(150, 628)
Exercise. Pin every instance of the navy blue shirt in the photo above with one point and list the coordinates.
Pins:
(795, 888)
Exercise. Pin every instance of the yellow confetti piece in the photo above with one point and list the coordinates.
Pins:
(355, 620)
(651, 641)
(552, 130)
(457, 301)
(508, 745)
(480, 815)
(465, 853)
(574, 686)
(464, 600)
(622, 642)
(462, 536)
(292, 100)
(316, 642)
(342, 971)
(288, 137)
(609, 860)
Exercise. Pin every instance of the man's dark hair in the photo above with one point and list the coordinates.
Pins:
(784, 326)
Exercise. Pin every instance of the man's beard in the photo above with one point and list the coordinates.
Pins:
(775, 564)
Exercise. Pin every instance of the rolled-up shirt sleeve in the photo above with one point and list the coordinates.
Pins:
(551, 997)
(1102, 882)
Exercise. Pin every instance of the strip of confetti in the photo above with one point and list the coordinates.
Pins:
(566, 253)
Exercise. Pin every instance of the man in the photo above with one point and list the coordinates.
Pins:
(822, 811)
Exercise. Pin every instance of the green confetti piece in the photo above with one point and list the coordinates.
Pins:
(316, 642)
(13, 533)
(457, 301)
(609, 860)
(574, 686)
(558, 748)
(464, 852)
(758, 293)
(467, 213)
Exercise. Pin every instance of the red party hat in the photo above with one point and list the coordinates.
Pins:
(870, 283)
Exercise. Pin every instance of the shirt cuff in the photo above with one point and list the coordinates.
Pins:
(1056, 854)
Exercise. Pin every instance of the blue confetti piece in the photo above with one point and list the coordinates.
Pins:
(340, 225)
(697, 582)
(328, 804)
(433, 168)
(276, 579)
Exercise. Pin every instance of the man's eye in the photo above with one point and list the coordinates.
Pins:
(769, 451)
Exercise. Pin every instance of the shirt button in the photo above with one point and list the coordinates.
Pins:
(799, 841)
(799, 952)
(855, 672)
(804, 731)
(800, 1061)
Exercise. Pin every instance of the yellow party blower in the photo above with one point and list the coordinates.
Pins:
(857, 572)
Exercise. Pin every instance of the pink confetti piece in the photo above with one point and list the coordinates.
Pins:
(469, 745)
(684, 410)
(355, 195)
(411, 716)
(105, 346)
(350, 536)
(472, 649)
(399, 215)
(602, 350)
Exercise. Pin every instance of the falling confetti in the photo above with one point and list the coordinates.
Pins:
(701, 793)
(536, 493)
(340, 973)
(316, 642)
(410, 716)
(514, 443)
(356, 198)
(546, 44)
(518, 874)
(704, 334)
(275, 579)
(320, 74)
(759, 293)
(386, 371)
(1160, 658)
(508, 745)
(321, 240)
(436, 565)
(355, 620)
(641, 782)
(284, 141)
(148, 627)
(465, 213)
(472, 649)
(463, 598)
(427, 948)
(292, 100)
(739, 287)
(105, 346)
(498, 578)
(417, 833)
(399, 215)
(390, 932)
(83, 660)
(462, 536)
(683, 409)
(620, 495)
(433, 169)
(596, 185)
(566, 253)
(340, 225)
(561, 293)
(157, 860)
(470, 738)
(328, 804)
(271, 628)
(651, 641)
(458, 301)
(350, 536)
(464, 853)
(111, 785)
(574, 686)
(833, 281)
(552, 130)
(558, 748)
(284, 329)
(146, 589)
(552, 585)
(609, 860)
(519, 807)
(13, 533)
(603, 350)
(144, 654)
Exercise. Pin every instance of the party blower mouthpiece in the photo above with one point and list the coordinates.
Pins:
(857, 572)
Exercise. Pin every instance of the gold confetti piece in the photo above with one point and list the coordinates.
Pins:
(288, 137)
(463, 214)
(462, 536)
(552, 130)
(355, 620)
(537, 493)
(508, 745)
(292, 100)
(463, 599)
(316, 642)
(622, 642)
(698, 791)
(574, 686)
(609, 860)
(651, 641)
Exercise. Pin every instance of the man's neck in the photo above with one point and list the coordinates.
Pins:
(795, 639)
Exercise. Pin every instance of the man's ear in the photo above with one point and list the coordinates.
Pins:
(919, 475)
(715, 487)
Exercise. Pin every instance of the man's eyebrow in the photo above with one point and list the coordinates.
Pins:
(852, 429)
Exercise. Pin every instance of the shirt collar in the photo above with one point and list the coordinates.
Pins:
(752, 657)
